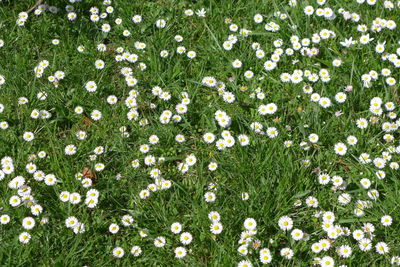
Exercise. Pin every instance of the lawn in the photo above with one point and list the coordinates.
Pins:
(199, 133)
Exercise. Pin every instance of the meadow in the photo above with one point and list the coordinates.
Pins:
(199, 133)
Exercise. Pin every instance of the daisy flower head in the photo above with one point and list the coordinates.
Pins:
(287, 253)
(250, 224)
(28, 136)
(136, 251)
(118, 252)
(209, 197)
(186, 238)
(340, 149)
(176, 228)
(28, 223)
(70, 150)
(159, 241)
(4, 219)
(285, 223)
(24, 238)
(180, 252)
(113, 228)
(216, 228)
(386, 220)
(214, 216)
(71, 222)
(160, 23)
(382, 248)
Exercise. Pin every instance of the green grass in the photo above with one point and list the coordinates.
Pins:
(274, 176)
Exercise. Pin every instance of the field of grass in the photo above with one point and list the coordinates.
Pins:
(199, 133)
